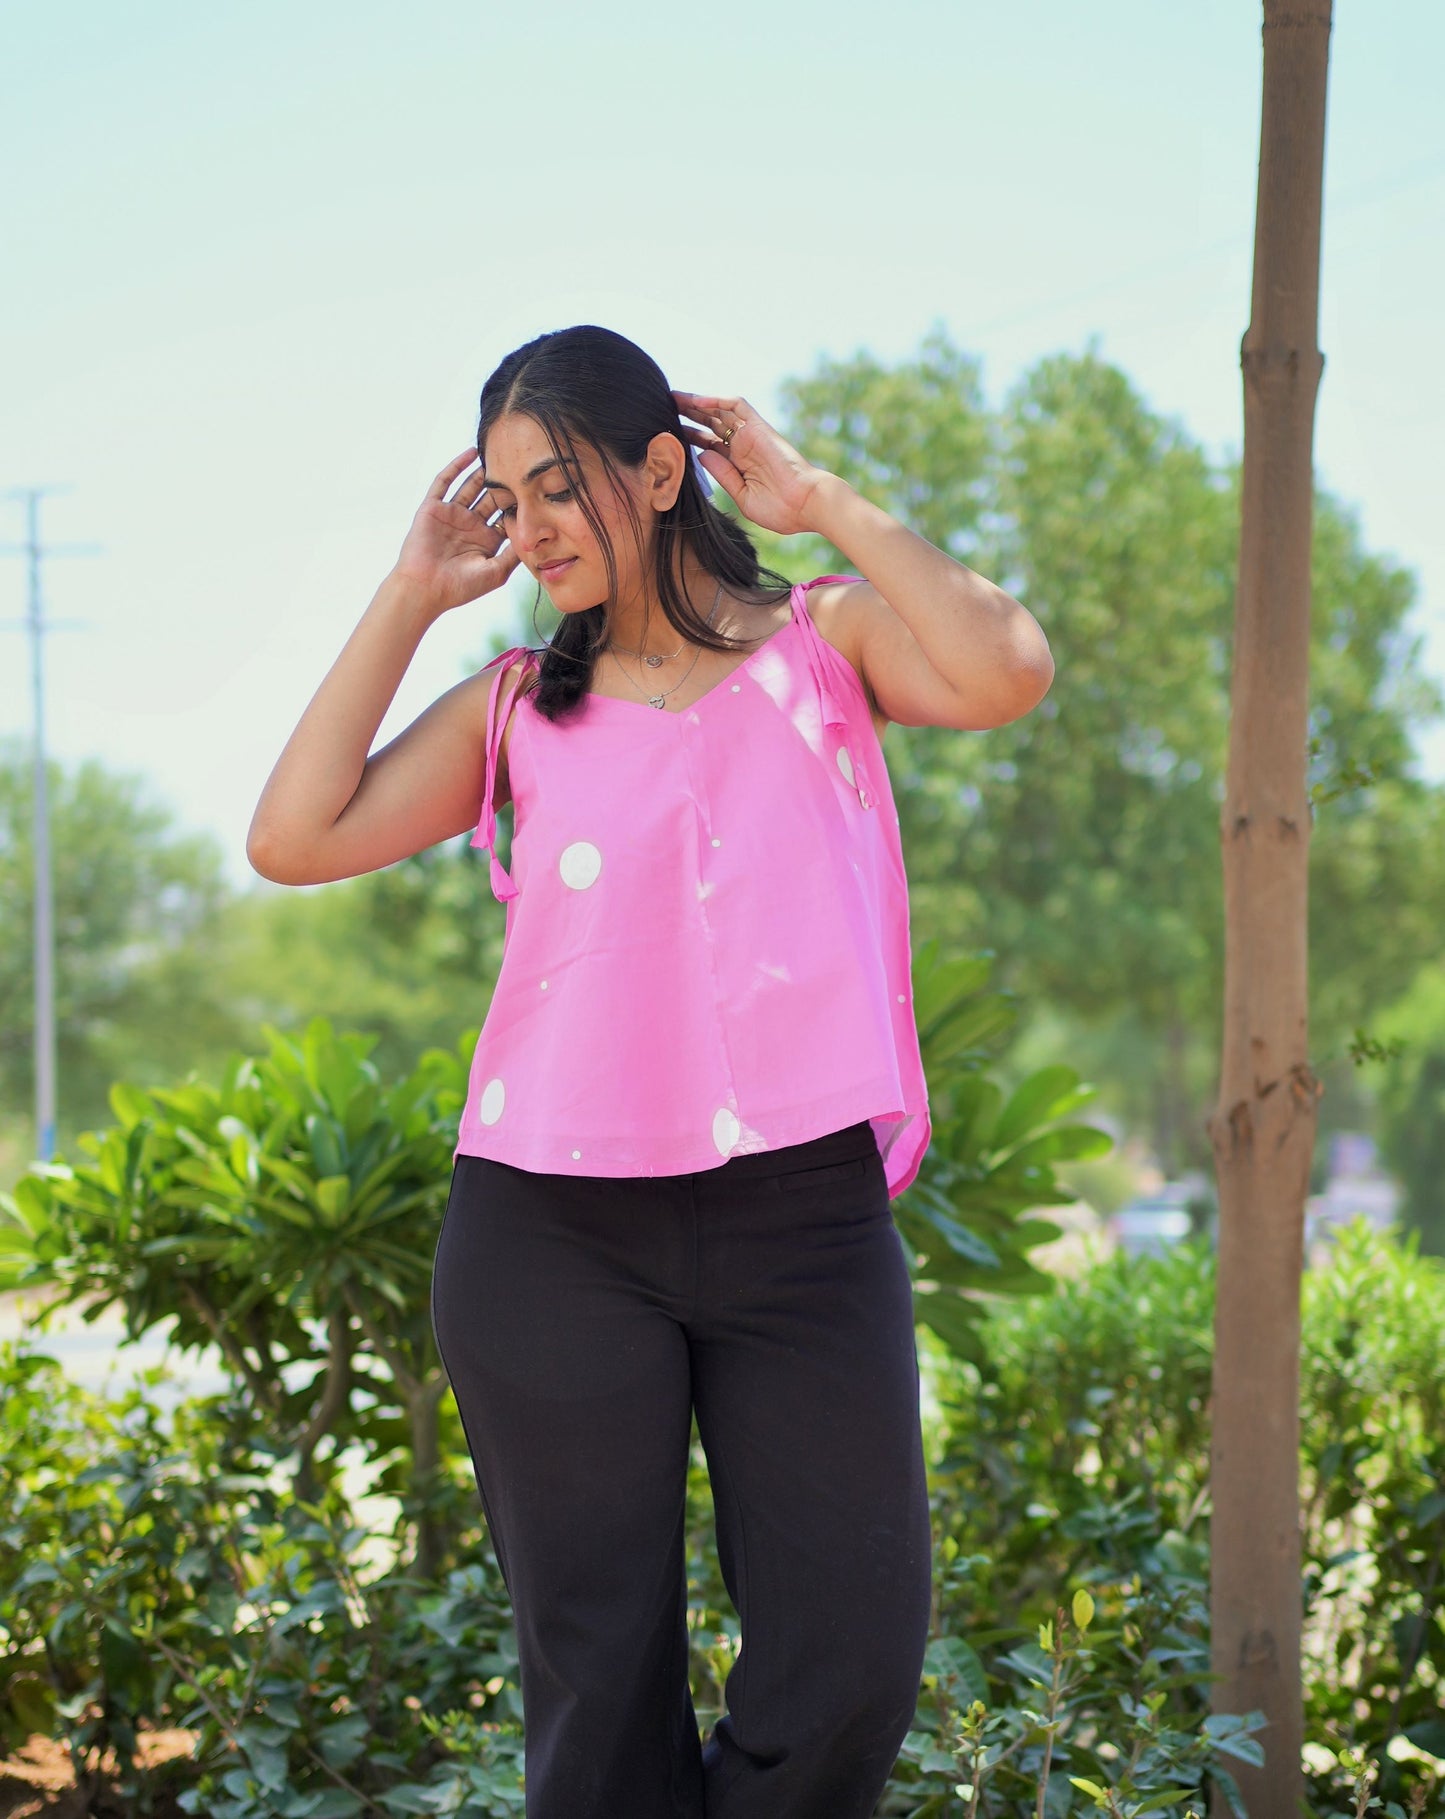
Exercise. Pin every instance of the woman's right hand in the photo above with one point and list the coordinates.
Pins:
(451, 554)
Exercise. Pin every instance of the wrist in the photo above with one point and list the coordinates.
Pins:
(407, 597)
(826, 499)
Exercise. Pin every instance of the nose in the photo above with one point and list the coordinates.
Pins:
(530, 530)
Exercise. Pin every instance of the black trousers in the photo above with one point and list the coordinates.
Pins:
(582, 1320)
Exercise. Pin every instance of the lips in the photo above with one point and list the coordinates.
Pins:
(551, 571)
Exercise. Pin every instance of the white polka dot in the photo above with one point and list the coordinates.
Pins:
(544, 985)
(580, 864)
(902, 999)
(725, 1129)
(845, 763)
(494, 1097)
(717, 842)
(737, 687)
(576, 1155)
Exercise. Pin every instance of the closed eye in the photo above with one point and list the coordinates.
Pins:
(561, 498)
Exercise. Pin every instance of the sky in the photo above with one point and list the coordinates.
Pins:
(257, 261)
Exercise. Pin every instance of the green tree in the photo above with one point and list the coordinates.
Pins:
(1412, 1103)
(409, 954)
(1082, 841)
(137, 928)
(915, 437)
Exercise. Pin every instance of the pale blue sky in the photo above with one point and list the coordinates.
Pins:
(258, 260)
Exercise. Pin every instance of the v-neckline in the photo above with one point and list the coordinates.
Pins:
(676, 713)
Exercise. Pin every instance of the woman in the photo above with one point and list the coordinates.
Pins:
(698, 1084)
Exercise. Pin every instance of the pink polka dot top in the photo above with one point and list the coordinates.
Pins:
(706, 951)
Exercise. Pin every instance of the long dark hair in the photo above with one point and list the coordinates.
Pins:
(590, 385)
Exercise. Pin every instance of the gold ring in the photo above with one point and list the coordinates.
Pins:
(728, 434)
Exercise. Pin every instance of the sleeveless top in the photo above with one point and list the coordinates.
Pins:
(706, 951)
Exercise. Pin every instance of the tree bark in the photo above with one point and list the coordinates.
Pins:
(265, 1390)
(421, 1389)
(335, 1395)
(1263, 1127)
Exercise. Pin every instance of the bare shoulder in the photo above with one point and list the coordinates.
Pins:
(839, 610)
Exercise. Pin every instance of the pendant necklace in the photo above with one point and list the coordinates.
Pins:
(660, 700)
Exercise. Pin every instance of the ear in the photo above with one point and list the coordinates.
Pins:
(662, 470)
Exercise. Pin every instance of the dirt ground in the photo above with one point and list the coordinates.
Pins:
(38, 1778)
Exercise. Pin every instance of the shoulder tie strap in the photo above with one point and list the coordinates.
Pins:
(854, 744)
(485, 837)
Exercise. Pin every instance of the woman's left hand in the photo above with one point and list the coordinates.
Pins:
(764, 476)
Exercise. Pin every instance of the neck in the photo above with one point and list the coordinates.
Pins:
(639, 623)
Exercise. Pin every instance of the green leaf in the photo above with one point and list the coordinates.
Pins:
(338, 1803)
(1428, 1735)
(960, 1240)
(1428, 1508)
(1247, 1749)
(333, 1196)
(409, 1797)
(123, 1660)
(130, 1105)
(342, 1741)
(952, 1318)
(1041, 1098)
(325, 1148)
(951, 1658)
(1068, 1143)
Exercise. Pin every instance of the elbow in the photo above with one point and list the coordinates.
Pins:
(268, 859)
(1029, 667)
(1026, 687)
(1034, 675)
(261, 861)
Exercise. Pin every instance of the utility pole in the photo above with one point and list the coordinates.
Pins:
(44, 921)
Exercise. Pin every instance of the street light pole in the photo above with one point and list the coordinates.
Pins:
(41, 867)
(43, 871)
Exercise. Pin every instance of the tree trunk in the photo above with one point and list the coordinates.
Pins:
(1263, 1127)
(335, 1395)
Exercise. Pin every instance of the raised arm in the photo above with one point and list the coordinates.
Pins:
(936, 644)
(331, 807)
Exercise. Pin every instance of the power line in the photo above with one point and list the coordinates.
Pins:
(44, 920)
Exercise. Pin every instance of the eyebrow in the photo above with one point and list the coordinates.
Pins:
(532, 473)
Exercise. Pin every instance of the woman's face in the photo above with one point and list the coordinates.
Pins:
(541, 516)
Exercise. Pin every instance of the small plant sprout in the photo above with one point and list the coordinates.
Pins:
(972, 1753)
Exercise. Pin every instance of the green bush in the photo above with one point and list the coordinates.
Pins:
(1373, 1450)
(287, 1217)
(966, 1220)
(1076, 1453)
(204, 1567)
(157, 1569)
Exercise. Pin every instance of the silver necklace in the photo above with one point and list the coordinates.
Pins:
(659, 700)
